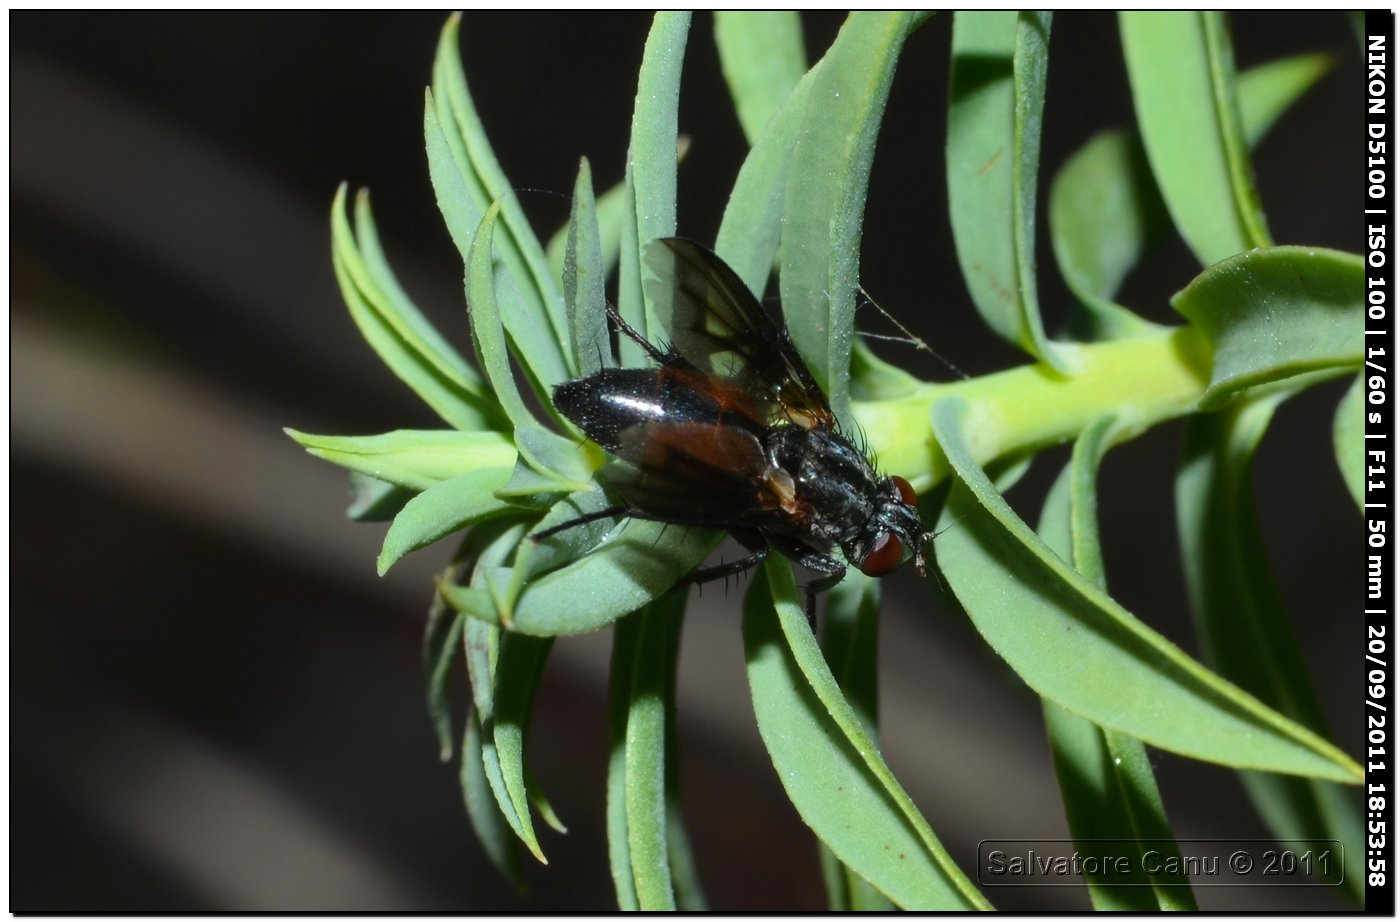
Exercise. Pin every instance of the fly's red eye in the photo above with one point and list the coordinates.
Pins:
(906, 492)
(887, 554)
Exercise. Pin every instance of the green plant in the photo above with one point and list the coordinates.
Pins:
(1262, 323)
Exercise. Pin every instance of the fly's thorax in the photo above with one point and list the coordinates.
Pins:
(832, 479)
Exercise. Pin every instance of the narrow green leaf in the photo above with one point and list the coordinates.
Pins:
(639, 643)
(1347, 431)
(401, 312)
(645, 752)
(685, 876)
(373, 500)
(401, 337)
(633, 567)
(492, 655)
(458, 192)
(535, 557)
(1241, 616)
(487, 332)
(442, 509)
(822, 215)
(629, 278)
(1106, 212)
(1111, 798)
(610, 208)
(850, 644)
(441, 638)
(624, 655)
(1276, 313)
(518, 672)
(831, 769)
(1069, 521)
(520, 249)
(413, 458)
(1265, 91)
(651, 160)
(491, 829)
(570, 464)
(583, 281)
(762, 55)
(542, 804)
(994, 117)
(847, 891)
(1182, 72)
(753, 217)
(1072, 644)
(498, 539)
(545, 451)
(1115, 810)
(530, 489)
(481, 643)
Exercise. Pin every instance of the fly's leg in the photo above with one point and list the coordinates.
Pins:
(758, 547)
(832, 571)
(611, 512)
(631, 333)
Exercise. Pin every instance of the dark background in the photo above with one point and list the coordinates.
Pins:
(215, 704)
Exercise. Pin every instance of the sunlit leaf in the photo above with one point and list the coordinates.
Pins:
(1106, 212)
(583, 281)
(1110, 795)
(762, 55)
(1271, 314)
(520, 249)
(397, 332)
(442, 509)
(412, 458)
(1348, 441)
(829, 766)
(822, 215)
(1073, 644)
(1182, 71)
(651, 167)
(1241, 616)
(993, 158)
(850, 644)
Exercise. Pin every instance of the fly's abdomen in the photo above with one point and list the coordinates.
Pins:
(617, 399)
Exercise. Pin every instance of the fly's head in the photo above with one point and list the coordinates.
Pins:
(893, 530)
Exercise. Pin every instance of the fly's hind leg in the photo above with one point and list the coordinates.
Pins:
(758, 548)
(611, 512)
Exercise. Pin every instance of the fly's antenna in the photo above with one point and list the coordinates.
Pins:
(908, 338)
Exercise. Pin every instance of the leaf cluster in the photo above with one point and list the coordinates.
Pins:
(1260, 322)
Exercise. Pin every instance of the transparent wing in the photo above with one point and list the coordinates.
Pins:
(718, 326)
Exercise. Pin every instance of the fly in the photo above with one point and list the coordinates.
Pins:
(731, 431)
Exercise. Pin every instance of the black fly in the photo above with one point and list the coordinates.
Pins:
(730, 431)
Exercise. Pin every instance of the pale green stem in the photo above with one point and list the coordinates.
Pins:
(1144, 381)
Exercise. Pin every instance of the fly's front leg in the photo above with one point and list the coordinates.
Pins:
(631, 333)
(832, 571)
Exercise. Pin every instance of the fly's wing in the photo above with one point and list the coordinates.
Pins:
(700, 474)
(718, 326)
